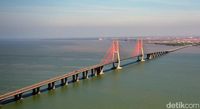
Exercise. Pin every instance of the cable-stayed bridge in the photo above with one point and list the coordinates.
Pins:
(111, 58)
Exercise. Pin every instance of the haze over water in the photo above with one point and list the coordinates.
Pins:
(150, 85)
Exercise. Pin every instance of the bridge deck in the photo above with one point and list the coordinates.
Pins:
(45, 82)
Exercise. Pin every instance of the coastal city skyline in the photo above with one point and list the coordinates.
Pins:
(92, 18)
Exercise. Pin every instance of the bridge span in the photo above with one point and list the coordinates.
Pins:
(110, 58)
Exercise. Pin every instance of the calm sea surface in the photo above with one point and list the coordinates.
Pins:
(174, 77)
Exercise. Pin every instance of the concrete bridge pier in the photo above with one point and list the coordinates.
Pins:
(93, 72)
(113, 65)
(100, 70)
(51, 86)
(158, 54)
(149, 56)
(36, 91)
(154, 55)
(85, 75)
(64, 81)
(140, 58)
(118, 67)
(75, 78)
(18, 96)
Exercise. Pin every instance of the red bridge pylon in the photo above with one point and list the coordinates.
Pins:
(113, 55)
(139, 50)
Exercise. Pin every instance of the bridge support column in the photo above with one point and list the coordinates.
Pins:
(148, 56)
(100, 70)
(119, 61)
(142, 50)
(113, 67)
(51, 85)
(115, 52)
(93, 72)
(18, 96)
(153, 55)
(36, 91)
(75, 78)
(118, 66)
(85, 75)
(138, 58)
(142, 58)
(157, 54)
(64, 81)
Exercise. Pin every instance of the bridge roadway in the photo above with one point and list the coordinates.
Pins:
(94, 70)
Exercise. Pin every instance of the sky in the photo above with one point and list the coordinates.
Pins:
(98, 18)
